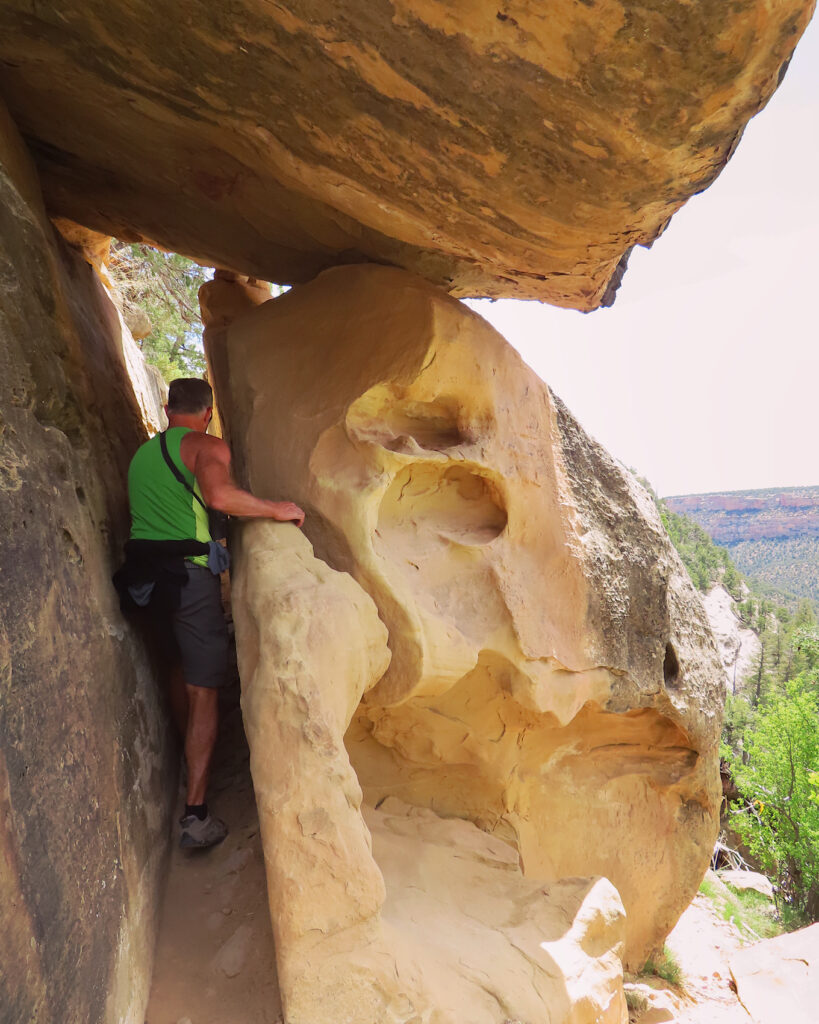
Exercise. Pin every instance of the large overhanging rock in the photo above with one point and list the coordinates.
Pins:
(515, 149)
(552, 679)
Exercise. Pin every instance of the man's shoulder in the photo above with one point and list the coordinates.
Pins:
(197, 443)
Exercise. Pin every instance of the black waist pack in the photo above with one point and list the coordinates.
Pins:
(217, 521)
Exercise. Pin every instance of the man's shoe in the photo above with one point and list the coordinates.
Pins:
(198, 834)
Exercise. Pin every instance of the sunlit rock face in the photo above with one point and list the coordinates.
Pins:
(512, 149)
(552, 677)
(388, 914)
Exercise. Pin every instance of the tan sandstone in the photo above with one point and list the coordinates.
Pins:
(778, 979)
(509, 148)
(390, 914)
(553, 679)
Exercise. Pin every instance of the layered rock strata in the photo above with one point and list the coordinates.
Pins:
(85, 770)
(735, 516)
(496, 149)
(552, 677)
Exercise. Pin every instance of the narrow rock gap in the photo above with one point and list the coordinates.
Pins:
(214, 959)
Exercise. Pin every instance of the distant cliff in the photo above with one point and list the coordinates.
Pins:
(773, 535)
(735, 516)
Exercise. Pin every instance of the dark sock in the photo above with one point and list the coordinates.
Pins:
(199, 811)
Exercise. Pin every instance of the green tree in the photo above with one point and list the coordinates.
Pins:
(781, 826)
(165, 286)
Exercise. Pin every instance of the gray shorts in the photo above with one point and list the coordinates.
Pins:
(196, 631)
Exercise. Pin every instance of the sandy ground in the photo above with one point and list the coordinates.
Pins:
(214, 958)
(703, 943)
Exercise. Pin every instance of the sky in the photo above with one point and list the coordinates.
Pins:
(704, 375)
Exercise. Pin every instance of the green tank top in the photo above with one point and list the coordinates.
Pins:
(161, 508)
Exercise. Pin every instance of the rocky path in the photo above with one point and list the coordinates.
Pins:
(214, 958)
(703, 944)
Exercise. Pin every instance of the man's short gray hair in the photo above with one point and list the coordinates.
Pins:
(189, 395)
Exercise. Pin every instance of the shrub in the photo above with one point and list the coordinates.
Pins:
(781, 823)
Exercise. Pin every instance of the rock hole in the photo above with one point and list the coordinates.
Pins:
(671, 666)
(385, 418)
(456, 503)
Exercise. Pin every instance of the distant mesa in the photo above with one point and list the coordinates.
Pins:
(734, 516)
(773, 534)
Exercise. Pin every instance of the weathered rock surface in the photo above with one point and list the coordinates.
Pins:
(407, 916)
(84, 806)
(496, 149)
(744, 880)
(149, 388)
(737, 645)
(778, 979)
(553, 678)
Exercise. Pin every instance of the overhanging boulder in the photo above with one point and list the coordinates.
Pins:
(512, 149)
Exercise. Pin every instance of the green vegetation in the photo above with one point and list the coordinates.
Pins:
(636, 1001)
(750, 911)
(165, 286)
(706, 562)
(777, 775)
(665, 966)
(782, 567)
(770, 732)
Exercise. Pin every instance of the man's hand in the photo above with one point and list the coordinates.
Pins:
(287, 512)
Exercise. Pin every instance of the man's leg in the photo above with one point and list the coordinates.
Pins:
(200, 739)
(178, 697)
(201, 635)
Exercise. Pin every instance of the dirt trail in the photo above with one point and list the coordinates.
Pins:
(214, 958)
(703, 944)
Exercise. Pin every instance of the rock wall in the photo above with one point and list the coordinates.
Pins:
(737, 645)
(85, 769)
(504, 148)
(552, 675)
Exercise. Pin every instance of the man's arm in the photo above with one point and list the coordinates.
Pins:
(208, 458)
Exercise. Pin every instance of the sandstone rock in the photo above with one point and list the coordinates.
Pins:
(504, 149)
(778, 979)
(85, 765)
(147, 382)
(744, 880)
(553, 678)
(137, 321)
(737, 646)
(231, 957)
(460, 933)
(309, 643)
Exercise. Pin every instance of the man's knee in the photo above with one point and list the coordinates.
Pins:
(202, 696)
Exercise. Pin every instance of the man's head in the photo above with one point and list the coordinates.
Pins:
(190, 399)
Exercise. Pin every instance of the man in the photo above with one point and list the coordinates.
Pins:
(172, 557)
